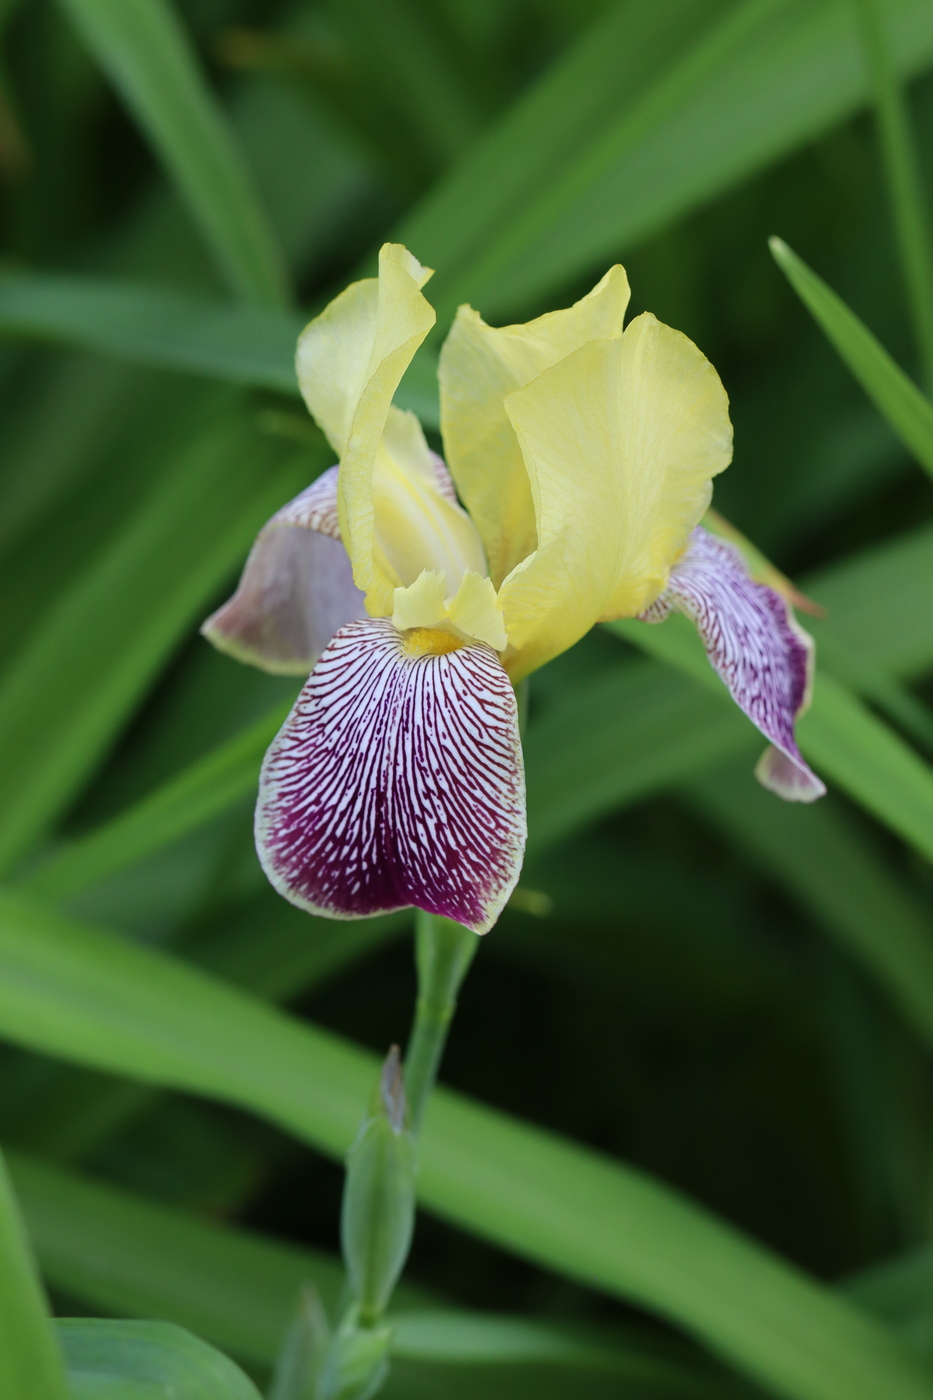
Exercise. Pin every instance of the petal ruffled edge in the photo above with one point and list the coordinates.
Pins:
(397, 780)
(296, 589)
(479, 366)
(755, 645)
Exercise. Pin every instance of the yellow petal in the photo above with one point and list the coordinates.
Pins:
(475, 611)
(350, 361)
(422, 603)
(479, 366)
(620, 440)
(417, 526)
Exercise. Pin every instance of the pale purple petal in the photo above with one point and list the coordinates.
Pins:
(296, 589)
(397, 780)
(755, 645)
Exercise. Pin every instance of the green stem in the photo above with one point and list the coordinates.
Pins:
(444, 951)
(902, 171)
(31, 1365)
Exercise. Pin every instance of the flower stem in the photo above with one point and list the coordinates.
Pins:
(444, 951)
(902, 171)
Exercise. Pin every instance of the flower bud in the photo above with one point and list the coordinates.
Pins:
(379, 1197)
(304, 1350)
(357, 1362)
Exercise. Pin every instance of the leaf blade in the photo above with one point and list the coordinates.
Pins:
(145, 52)
(77, 992)
(898, 400)
(113, 630)
(30, 1361)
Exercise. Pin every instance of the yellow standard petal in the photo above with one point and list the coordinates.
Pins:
(620, 440)
(349, 362)
(479, 366)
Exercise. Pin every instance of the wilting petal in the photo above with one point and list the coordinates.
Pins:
(350, 360)
(296, 589)
(621, 440)
(396, 780)
(757, 648)
(479, 366)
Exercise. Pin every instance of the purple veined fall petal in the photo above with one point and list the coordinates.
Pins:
(755, 645)
(296, 589)
(397, 780)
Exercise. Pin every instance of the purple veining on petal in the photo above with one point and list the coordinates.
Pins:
(397, 780)
(296, 589)
(314, 508)
(445, 482)
(755, 645)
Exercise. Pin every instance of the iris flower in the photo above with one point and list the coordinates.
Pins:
(417, 592)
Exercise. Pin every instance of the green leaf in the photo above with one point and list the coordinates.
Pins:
(145, 52)
(905, 182)
(872, 764)
(252, 345)
(818, 854)
(878, 604)
(846, 743)
(79, 677)
(202, 791)
(237, 1289)
(155, 326)
(895, 396)
(77, 992)
(30, 1363)
(898, 1291)
(131, 1255)
(617, 739)
(109, 1360)
(654, 113)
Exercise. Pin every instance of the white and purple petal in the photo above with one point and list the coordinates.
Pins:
(755, 645)
(296, 589)
(397, 780)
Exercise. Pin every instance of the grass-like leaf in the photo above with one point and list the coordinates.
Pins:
(618, 739)
(30, 1362)
(897, 398)
(154, 326)
(249, 345)
(847, 744)
(72, 688)
(140, 1258)
(77, 992)
(237, 1289)
(905, 183)
(819, 856)
(656, 112)
(181, 805)
(869, 761)
(145, 52)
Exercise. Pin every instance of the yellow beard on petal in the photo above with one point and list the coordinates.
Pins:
(430, 641)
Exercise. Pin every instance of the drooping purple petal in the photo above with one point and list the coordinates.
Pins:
(296, 589)
(397, 780)
(755, 645)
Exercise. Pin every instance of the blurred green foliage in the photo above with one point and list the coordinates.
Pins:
(731, 996)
